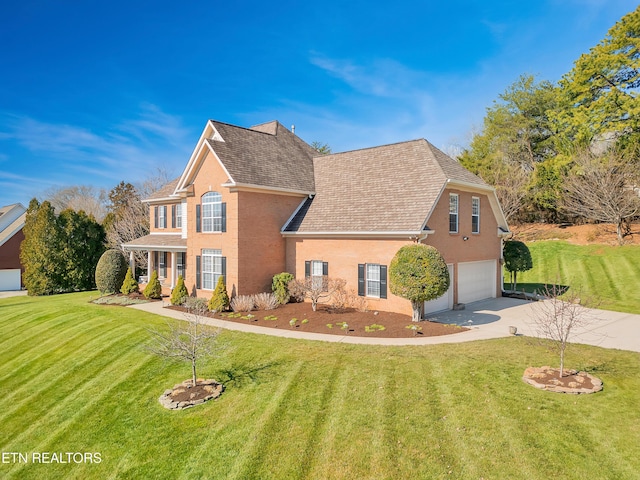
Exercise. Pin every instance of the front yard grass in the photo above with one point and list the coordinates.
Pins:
(610, 274)
(75, 378)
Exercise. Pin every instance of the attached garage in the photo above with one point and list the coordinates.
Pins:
(476, 281)
(445, 302)
(10, 279)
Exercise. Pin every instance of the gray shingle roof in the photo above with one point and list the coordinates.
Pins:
(151, 240)
(268, 155)
(165, 191)
(391, 188)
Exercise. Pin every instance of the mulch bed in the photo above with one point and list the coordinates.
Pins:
(547, 378)
(184, 395)
(328, 321)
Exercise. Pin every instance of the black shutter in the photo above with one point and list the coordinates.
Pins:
(224, 270)
(223, 208)
(198, 215)
(155, 261)
(383, 281)
(155, 217)
(173, 216)
(307, 269)
(361, 290)
(325, 269)
(198, 272)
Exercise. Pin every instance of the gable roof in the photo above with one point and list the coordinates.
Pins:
(266, 156)
(386, 189)
(12, 220)
(164, 193)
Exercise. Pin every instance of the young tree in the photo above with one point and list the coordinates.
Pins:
(603, 188)
(418, 273)
(315, 290)
(153, 289)
(561, 315)
(517, 258)
(129, 285)
(188, 341)
(280, 287)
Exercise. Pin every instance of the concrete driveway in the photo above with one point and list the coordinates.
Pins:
(12, 293)
(491, 319)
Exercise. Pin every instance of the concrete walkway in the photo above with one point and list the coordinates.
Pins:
(486, 319)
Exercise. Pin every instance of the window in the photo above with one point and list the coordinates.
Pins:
(212, 212)
(372, 280)
(317, 278)
(178, 216)
(162, 217)
(211, 268)
(181, 263)
(162, 264)
(475, 215)
(453, 213)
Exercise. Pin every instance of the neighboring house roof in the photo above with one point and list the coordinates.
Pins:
(163, 241)
(266, 156)
(386, 189)
(12, 220)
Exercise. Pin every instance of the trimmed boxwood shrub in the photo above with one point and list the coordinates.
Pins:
(110, 271)
(130, 285)
(179, 293)
(153, 289)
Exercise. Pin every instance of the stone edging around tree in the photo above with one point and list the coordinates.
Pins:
(183, 395)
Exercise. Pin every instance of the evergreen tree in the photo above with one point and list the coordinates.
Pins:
(130, 285)
(153, 289)
(179, 293)
(220, 299)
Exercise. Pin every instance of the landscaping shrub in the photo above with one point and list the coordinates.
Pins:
(179, 293)
(219, 301)
(242, 303)
(110, 271)
(153, 288)
(129, 285)
(266, 301)
(280, 287)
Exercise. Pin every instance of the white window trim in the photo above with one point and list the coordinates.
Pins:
(178, 215)
(213, 217)
(162, 216)
(456, 212)
(316, 266)
(477, 215)
(367, 280)
(211, 254)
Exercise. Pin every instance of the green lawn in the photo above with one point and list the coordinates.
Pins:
(74, 378)
(609, 274)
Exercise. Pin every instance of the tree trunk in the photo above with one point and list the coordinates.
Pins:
(515, 280)
(418, 309)
(619, 232)
(193, 372)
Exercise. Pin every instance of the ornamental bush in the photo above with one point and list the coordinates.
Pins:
(418, 273)
(153, 289)
(179, 293)
(280, 287)
(110, 271)
(517, 258)
(130, 285)
(219, 300)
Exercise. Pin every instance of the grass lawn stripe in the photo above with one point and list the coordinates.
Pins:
(55, 406)
(251, 455)
(59, 369)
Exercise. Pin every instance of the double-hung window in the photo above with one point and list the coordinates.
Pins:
(212, 212)
(181, 263)
(178, 217)
(162, 217)
(317, 278)
(162, 264)
(372, 280)
(453, 213)
(475, 215)
(211, 268)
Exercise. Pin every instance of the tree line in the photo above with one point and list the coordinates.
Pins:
(568, 151)
(67, 232)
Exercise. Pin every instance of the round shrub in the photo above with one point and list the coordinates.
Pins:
(110, 271)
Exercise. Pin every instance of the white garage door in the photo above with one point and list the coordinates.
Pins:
(445, 302)
(10, 279)
(476, 281)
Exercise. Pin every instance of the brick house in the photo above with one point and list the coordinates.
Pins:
(255, 202)
(12, 219)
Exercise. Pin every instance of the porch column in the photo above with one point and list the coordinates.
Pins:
(173, 269)
(149, 265)
(132, 263)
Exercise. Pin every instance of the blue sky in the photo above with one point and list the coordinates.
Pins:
(92, 93)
